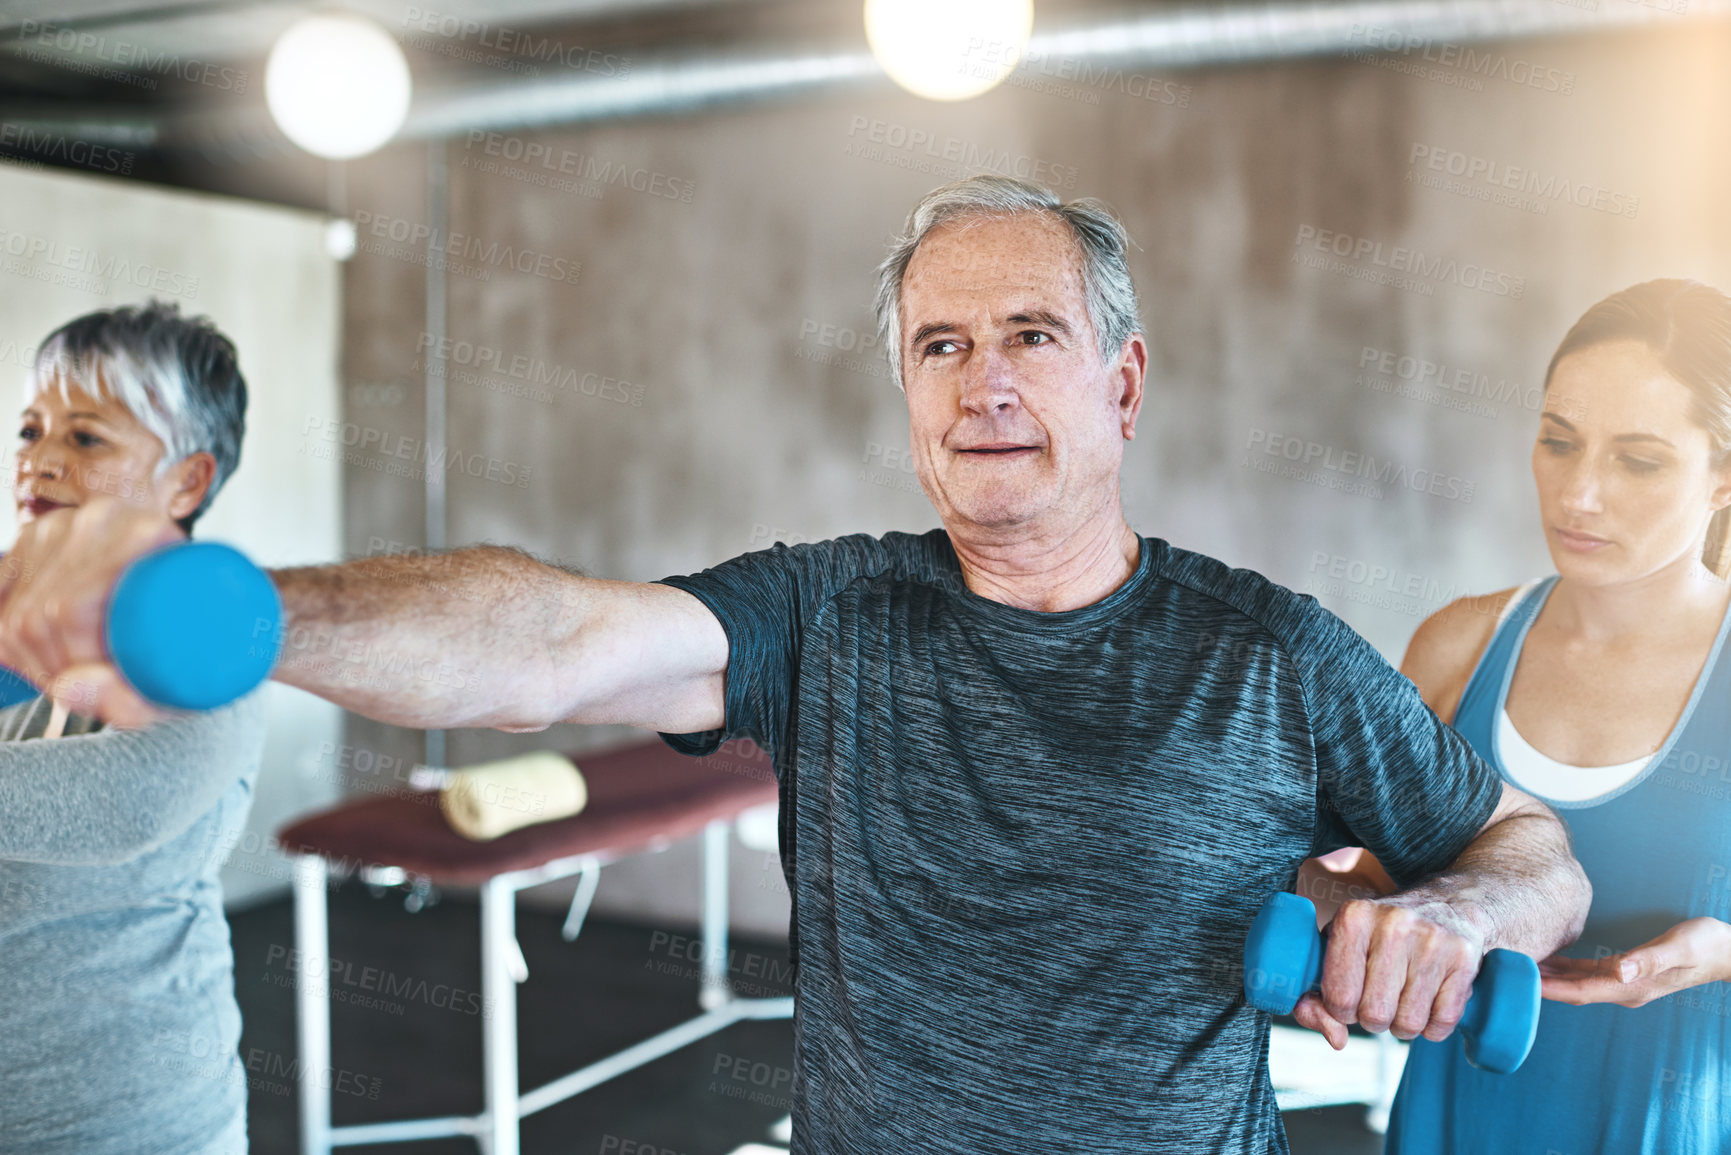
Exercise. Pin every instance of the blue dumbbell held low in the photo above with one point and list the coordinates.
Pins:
(191, 627)
(1283, 961)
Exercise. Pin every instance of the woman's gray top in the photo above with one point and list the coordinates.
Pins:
(118, 1024)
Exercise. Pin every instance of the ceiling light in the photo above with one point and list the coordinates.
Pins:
(337, 85)
(948, 49)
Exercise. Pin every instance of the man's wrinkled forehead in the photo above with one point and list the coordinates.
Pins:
(1030, 257)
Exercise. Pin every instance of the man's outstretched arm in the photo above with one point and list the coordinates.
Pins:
(489, 636)
(485, 636)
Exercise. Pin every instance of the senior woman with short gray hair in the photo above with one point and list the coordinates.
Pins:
(118, 1022)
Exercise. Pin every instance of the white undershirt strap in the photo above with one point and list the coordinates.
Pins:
(1540, 774)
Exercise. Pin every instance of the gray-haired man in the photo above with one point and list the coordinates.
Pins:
(1037, 771)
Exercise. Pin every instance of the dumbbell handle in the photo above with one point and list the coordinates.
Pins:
(192, 626)
(1283, 961)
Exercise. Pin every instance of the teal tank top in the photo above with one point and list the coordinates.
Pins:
(1605, 1079)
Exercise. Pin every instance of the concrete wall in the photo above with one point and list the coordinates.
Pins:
(706, 401)
(70, 244)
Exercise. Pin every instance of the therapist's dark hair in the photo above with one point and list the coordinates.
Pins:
(1687, 325)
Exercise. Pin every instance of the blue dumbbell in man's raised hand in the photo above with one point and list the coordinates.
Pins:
(1283, 961)
(191, 627)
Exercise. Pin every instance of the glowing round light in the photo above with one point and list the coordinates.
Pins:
(948, 49)
(337, 85)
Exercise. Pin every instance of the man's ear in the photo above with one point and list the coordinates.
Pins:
(1129, 375)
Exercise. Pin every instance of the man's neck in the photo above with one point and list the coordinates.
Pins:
(1050, 574)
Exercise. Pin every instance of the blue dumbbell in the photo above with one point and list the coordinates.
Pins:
(14, 689)
(1283, 961)
(193, 626)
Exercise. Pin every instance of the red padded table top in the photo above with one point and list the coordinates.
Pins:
(639, 795)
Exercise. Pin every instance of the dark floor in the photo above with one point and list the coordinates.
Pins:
(406, 1030)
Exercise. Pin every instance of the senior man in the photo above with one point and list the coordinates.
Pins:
(1037, 771)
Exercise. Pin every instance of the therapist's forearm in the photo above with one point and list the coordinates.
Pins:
(466, 638)
(1328, 888)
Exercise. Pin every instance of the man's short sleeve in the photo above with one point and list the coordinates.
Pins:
(1391, 776)
(763, 600)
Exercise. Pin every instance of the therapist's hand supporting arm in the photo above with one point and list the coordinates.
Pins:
(1690, 954)
(1346, 874)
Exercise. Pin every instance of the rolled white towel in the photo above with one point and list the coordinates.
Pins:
(482, 802)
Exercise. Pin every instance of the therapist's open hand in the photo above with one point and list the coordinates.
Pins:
(1403, 963)
(1689, 954)
(54, 587)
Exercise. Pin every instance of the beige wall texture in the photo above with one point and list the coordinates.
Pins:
(1343, 258)
(71, 244)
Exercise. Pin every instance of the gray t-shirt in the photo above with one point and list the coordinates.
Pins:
(118, 1022)
(1025, 848)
